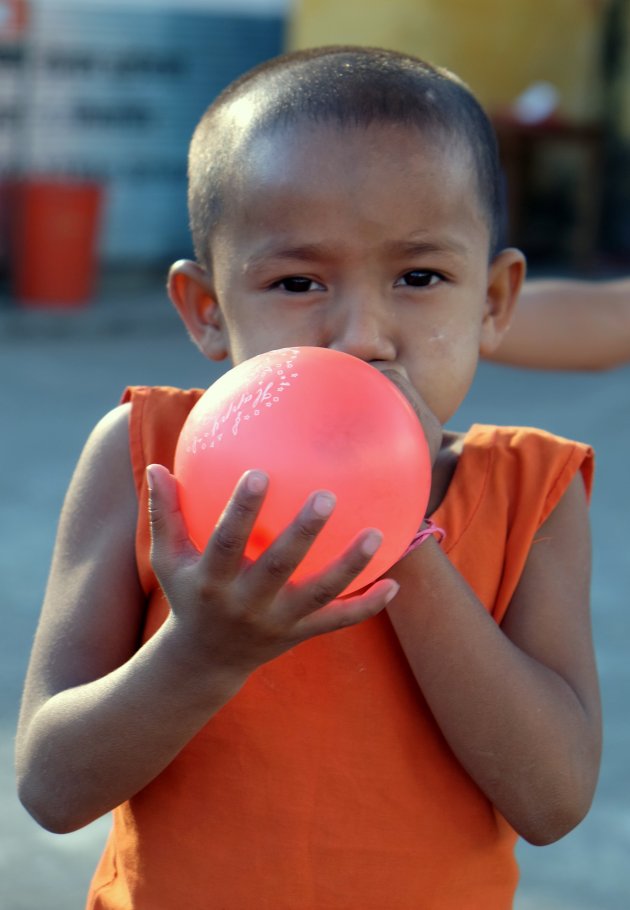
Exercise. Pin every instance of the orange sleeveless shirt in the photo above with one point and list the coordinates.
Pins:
(325, 783)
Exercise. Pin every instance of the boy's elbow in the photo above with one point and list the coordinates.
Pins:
(53, 815)
(543, 832)
(52, 821)
(561, 801)
(554, 820)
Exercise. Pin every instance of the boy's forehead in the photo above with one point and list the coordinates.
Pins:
(261, 118)
(291, 179)
(249, 131)
(273, 153)
(261, 150)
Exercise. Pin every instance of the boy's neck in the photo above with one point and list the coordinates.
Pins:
(444, 468)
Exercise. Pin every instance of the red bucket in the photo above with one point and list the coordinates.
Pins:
(54, 240)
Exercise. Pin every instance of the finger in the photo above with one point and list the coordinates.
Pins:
(274, 567)
(327, 585)
(340, 614)
(223, 556)
(169, 536)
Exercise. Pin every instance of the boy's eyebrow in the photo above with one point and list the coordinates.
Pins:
(307, 251)
(446, 244)
(314, 251)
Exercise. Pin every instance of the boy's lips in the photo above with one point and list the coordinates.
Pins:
(386, 366)
(394, 373)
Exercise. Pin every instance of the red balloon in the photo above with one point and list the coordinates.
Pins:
(311, 418)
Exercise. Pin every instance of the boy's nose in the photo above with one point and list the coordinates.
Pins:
(362, 327)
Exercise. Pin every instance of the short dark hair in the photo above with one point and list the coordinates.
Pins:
(350, 86)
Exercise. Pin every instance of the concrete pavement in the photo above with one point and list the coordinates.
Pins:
(60, 372)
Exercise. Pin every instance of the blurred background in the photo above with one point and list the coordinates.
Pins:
(98, 99)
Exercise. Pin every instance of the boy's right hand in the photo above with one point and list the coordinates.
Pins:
(237, 614)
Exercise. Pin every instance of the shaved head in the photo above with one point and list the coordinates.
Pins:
(351, 87)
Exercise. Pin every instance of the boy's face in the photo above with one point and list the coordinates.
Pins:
(371, 241)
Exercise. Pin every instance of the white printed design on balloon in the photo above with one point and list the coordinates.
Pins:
(265, 393)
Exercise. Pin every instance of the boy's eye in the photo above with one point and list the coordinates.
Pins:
(298, 284)
(418, 278)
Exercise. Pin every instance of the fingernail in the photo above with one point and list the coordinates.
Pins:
(371, 543)
(256, 482)
(323, 504)
(392, 592)
(150, 478)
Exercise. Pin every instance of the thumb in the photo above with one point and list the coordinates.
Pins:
(169, 536)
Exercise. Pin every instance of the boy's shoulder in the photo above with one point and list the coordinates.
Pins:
(513, 436)
(168, 406)
(160, 395)
(529, 449)
(506, 483)
(515, 465)
(514, 442)
(157, 414)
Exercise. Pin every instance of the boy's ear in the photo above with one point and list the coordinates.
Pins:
(505, 277)
(192, 294)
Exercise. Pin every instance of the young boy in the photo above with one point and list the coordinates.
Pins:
(267, 744)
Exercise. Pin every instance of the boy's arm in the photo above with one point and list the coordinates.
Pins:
(101, 716)
(569, 325)
(519, 705)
